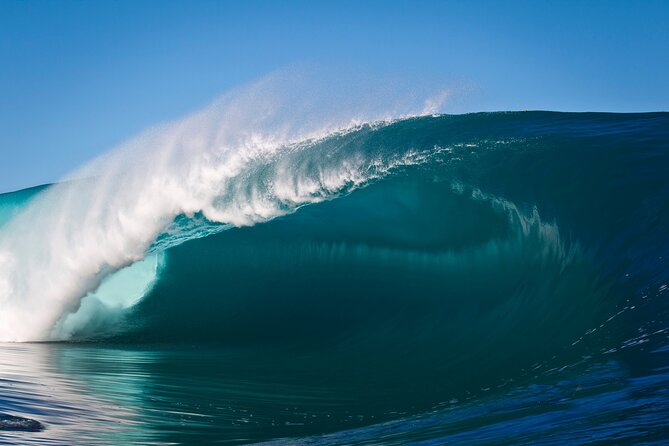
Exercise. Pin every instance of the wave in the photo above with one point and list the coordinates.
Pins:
(422, 211)
(434, 258)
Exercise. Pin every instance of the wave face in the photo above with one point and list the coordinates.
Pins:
(422, 262)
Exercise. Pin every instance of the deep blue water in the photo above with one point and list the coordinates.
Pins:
(506, 285)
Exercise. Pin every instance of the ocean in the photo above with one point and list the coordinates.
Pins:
(487, 278)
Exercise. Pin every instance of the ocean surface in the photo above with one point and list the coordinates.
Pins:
(489, 278)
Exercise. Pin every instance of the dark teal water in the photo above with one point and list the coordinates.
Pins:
(509, 287)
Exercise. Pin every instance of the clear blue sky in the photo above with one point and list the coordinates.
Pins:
(78, 77)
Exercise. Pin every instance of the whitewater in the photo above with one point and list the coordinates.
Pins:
(242, 160)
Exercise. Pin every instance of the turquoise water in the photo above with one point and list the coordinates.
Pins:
(487, 278)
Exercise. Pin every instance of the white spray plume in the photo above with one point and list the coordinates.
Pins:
(77, 232)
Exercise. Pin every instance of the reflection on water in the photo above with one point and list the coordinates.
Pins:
(93, 394)
(55, 385)
(96, 394)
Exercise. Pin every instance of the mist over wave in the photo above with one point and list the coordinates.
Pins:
(244, 159)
